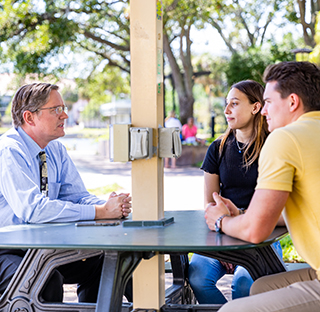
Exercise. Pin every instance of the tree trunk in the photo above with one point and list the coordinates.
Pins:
(186, 107)
(308, 28)
(183, 81)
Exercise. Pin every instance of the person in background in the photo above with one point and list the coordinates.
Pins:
(171, 122)
(288, 184)
(189, 133)
(231, 169)
(39, 183)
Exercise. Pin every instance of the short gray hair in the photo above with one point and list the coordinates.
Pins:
(30, 97)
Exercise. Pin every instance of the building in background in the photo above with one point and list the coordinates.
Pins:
(117, 112)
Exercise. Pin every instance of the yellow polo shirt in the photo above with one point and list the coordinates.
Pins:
(290, 161)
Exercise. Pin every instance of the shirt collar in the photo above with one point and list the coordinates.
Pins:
(33, 147)
(310, 114)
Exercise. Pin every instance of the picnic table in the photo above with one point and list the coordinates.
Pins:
(123, 247)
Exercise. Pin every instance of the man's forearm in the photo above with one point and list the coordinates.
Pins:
(259, 220)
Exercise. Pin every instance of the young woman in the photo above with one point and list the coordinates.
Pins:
(231, 169)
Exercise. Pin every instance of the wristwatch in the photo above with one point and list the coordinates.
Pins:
(241, 211)
(217, 224)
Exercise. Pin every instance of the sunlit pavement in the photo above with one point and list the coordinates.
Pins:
(183, 186)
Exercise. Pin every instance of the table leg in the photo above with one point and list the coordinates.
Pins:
(23, 292)
(117, 268)
(258, 261)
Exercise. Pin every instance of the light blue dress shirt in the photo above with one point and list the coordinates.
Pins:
(21, 200)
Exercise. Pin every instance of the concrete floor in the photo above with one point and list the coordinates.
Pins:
(70, 294)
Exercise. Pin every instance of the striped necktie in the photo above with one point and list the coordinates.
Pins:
(43, 174)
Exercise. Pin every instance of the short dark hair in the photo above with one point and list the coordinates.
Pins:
(30, 97)
(301, 78)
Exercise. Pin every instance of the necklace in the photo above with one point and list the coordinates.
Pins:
(240, 148)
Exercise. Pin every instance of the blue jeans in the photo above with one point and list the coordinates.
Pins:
(204, 273)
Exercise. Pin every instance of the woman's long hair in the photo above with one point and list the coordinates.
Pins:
(254, 92)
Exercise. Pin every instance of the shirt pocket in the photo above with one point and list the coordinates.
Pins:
(54, 190)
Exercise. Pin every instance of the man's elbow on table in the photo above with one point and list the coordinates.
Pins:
(256, 235)
(264, 214)
(243, 228)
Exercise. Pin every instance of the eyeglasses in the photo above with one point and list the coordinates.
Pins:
(58, 109)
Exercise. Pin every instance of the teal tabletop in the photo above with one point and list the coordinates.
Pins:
(187, 232)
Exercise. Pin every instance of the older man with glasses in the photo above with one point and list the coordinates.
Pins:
(39, 183)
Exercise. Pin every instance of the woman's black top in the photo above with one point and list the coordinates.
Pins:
(237, 183)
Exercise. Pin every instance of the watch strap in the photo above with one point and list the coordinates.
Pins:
(217, 224)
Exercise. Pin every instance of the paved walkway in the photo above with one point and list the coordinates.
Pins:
(183, 186)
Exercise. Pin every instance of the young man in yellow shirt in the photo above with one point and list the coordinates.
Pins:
(288, 184)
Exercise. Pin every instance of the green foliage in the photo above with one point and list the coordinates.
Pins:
(291, 13)
(99, 88)
(289, 253)
(245, 24)
(170, 97)
(31, 37)
(198, 164)
(180, 13)
(278, 55)
(36, 35)
(4, 129)
(249, 65)
(315, 54)
(215, 67)
(91, 111)
(101, 84)
(179, 19)
(252, 63)
(69, 97)
(90, 37)
(209, 91)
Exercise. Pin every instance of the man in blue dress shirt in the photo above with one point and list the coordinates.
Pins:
(39, 114)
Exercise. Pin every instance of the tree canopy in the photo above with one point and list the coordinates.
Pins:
(92, 36)
(36, 32)
(243, 24)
